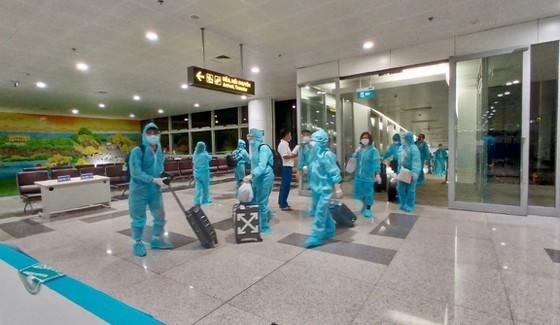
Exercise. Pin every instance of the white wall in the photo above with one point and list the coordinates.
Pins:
(260, 117)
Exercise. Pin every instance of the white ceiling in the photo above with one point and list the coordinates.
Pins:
(38, 37)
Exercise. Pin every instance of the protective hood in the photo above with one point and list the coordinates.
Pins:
(408, 138)
(321, 138)
(148, 126)
(257, 136)
(200, 147)
(240, 144)
(397, 137)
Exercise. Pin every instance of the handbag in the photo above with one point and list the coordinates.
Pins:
(351, 165)
(405, 175)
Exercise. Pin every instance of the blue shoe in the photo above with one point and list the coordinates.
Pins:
(408, 209)
(139, 249)
(265, 229)
(312, 241)
(367, 214)
(158, 242)
(328, 235)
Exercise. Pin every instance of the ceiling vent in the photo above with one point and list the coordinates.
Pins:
(222, 59)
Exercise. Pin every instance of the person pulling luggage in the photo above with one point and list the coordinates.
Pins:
(324, 174)
(367, 168)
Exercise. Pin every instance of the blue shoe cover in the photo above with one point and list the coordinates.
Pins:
(328, 235)
(367, 214)
(265, 229)
(311, 242)
(139, 249)
(158, 242)
(408, 209)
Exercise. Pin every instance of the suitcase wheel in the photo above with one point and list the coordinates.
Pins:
(208, 245)
(259, 239)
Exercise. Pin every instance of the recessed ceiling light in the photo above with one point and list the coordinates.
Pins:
(367, 45)
(507, 93)
(75, 111)
(136, 98)
(509, 83)
(132, 115)
(500, 95)
(184, 86)
(255, 69)
(307, 87)
(160, 111)
(82, 66)
(101, 105)
(196, 105)
(41, 84)
(515, 82)
(152, 36)
(243, 97)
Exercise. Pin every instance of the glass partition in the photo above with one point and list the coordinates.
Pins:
(226, 141)
(488, 129)
(180, 122)
(543, 121)
(205, 137)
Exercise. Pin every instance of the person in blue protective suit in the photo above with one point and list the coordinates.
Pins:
(241, 156)
(324, 173)
(440, 158)
(201, 174)
(262, 175)
(424, 150)
(367, 170)
(393, 152)
(145, 190)
(409, 158)
(303, 151)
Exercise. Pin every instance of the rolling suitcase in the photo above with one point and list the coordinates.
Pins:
(341, 214)
(392, 191)
(198, 221)
(383, 173)
(246, 222)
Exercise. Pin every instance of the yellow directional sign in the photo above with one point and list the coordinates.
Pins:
(203, 78)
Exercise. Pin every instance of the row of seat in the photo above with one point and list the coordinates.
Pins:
(178, 169)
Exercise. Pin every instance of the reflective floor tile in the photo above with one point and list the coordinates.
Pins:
(24, 228)
(396, 225)
(176, 239)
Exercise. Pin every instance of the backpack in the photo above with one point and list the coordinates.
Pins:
(277, 160)
(125, 169)
(231, 161)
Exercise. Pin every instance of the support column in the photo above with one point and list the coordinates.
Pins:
(261, 118)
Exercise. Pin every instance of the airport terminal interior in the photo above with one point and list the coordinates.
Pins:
(477, 78)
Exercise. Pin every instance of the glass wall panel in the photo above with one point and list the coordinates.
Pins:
(244, 114)
(180, 122)
(162, 123)
(226, 141)
(488, 129)
(181, 143)
(201, 119)
(205, 137)
(225, 117)
(543, 121)
(164, 140)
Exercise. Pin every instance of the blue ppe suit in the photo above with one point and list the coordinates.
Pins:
(368, 163)
(440, 157)
(393, 152)
(241, 156)
(262, 161)
(409, 158)
(201, 174)
(303, 160)
(323, 173)
(145, 166)
(424, 150)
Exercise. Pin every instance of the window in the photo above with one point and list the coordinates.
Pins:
(205, 137)
(181, 143)
(244, 114)
(201, 119)
(224, 117)
(164, 140)
(162, 123)
(226, 140)
(180, 122)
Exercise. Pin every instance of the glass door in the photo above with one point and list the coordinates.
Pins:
(488, 147)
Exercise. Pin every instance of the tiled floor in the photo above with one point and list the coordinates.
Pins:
(432, 266)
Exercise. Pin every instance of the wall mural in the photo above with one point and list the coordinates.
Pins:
(30, 140)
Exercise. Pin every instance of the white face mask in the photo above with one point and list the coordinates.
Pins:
(306, 139)
(365, 142)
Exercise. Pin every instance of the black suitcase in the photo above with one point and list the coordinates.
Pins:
(341, 214)
(246, 222)
(201, 226)
(198, 220)
(383, 173)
